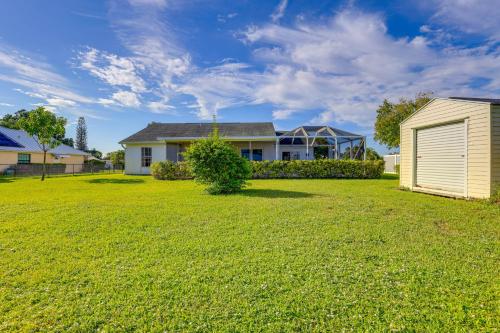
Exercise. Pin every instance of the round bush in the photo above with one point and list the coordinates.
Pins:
(216, 163)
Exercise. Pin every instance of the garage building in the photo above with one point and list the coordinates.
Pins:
(451, 147)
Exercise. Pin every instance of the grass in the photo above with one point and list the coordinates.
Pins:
(124, 253)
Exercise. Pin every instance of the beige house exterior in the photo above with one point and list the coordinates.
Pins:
(18, 148)
(451, 147)
(8, 158)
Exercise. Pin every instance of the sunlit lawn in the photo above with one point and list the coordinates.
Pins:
(124, 253)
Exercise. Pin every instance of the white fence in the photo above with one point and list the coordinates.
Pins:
(391, 161)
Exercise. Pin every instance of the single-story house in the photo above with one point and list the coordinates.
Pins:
(255, 141)
(451, 146)
(18, 147)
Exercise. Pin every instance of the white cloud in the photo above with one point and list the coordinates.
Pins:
(336, 69)
(60, 102)
(223, 18)
(28, 68)
(153, 3)
(161, 107)
(106, 101)
(6, 104)
(279, 12)
(283, 114)
(126, 98)
(220, 87)
(39, 81)
(112, 69)
(348, 65)
(470, 16)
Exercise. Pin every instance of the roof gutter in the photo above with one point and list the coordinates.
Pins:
(233, 138)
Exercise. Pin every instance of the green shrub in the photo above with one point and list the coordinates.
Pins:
(216, 164)
(277, 169)
(169, 170)
(495, 196)
(322, 168)
(397, 168)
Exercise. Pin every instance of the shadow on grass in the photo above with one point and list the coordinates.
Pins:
(390, 176)
(6, 180)
(114, 181)
(262, 193)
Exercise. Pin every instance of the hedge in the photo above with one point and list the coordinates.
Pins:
(323, 168)
(169, 170)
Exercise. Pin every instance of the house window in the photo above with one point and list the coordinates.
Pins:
(285, 156)
(23, 158)
(256, 154)
(146, 156)
(245, 153)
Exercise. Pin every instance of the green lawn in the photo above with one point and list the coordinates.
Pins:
(123, 253)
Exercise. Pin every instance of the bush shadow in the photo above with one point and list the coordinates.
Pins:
(263, 193)
(391, 176)
(114, 181)
(6, 180)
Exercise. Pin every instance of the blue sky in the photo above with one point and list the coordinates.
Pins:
(123, 64)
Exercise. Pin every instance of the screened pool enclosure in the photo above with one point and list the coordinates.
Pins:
(317, 142)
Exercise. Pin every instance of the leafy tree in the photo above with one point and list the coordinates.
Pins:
(67, 142)
(94, 152)
(11, 120)
(217, 164)
(390, 115)
(81, 135)
(43, 126)
(116, 157)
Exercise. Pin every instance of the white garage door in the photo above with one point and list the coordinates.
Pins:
(441, 158)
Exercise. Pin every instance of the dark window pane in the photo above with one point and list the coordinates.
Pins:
(23, 158)
(245, 153)
(257, 154)
(146, 156)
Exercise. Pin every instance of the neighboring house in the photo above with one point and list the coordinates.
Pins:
(391, 162)
(451, 146)
(255, 141)
(18, 147)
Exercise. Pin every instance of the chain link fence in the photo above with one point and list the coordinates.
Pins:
(22, 170)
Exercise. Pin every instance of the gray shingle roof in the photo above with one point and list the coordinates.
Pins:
(495, 101)
(200, 130)
(25, 143)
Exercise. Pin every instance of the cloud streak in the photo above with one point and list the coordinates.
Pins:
(279, 12)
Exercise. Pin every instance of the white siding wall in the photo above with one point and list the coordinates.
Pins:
(495, 147)
(479, 144)
(133, 157)
(268, 148)
(297, 149)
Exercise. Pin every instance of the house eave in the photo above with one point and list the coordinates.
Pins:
(226, 138)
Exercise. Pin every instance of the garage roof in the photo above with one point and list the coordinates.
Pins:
(495, 101)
